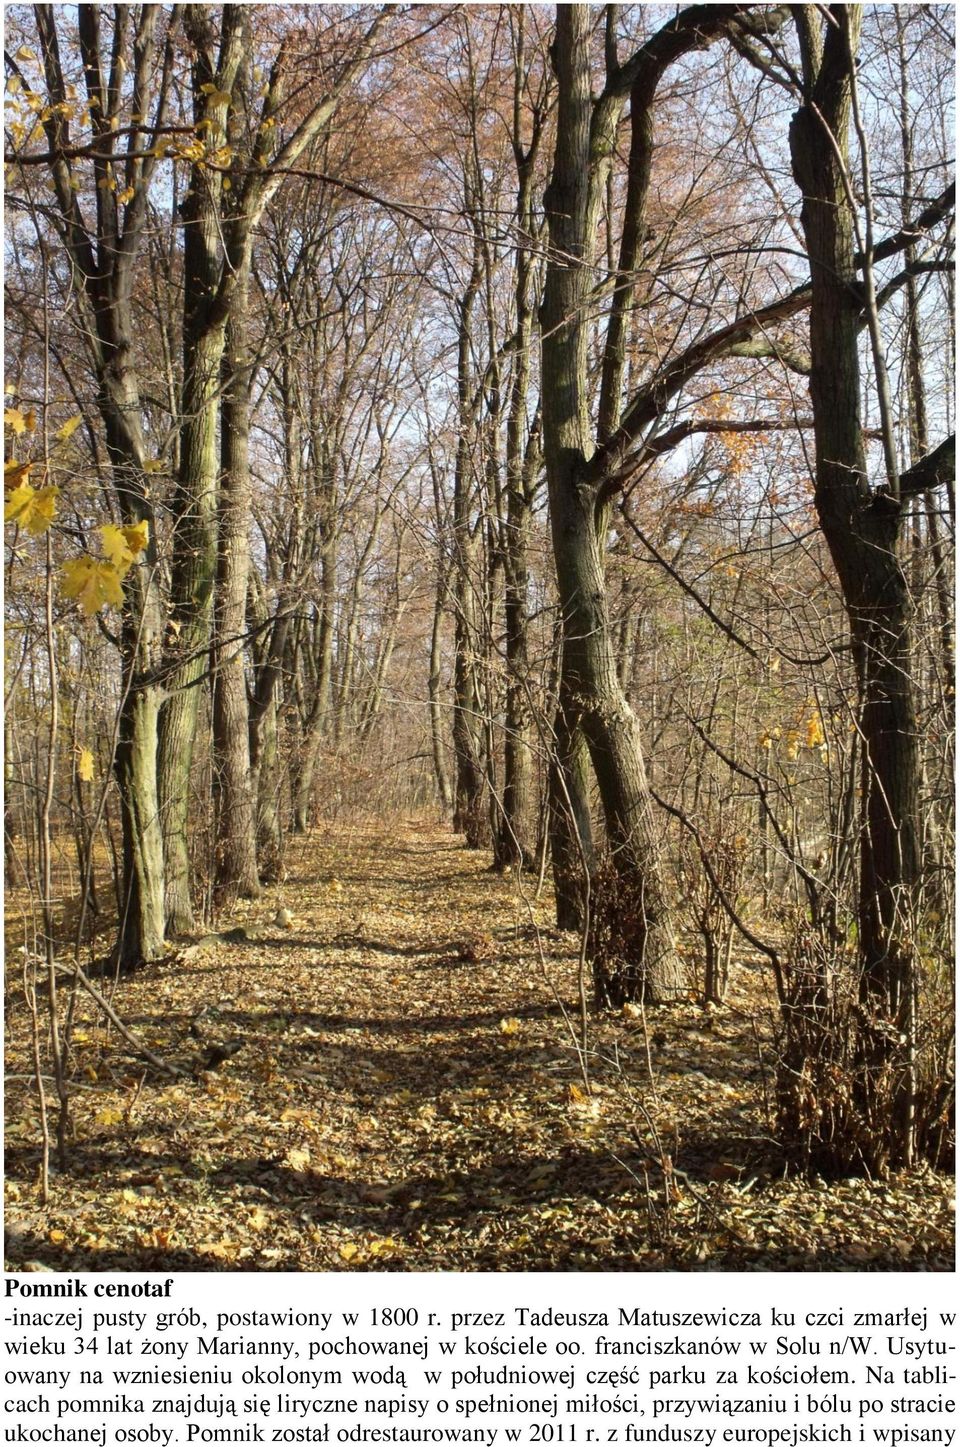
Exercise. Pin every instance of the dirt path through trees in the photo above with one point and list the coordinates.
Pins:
(404, 1094)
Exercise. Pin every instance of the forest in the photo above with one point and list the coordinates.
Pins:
(479, 637)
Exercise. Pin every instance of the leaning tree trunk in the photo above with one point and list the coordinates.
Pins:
(645, 965)
(634, 952)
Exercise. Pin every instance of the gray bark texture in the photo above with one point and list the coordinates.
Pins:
(862, 525)
(595, 703)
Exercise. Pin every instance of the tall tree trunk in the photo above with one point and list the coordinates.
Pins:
(102, 267)
(194, 568)
(270, 790)
(512, 845)
(141, 936)
(936, 863)
(142, 924)
(317, 722)
(236, 853)
(571, 831)
(650, 968)
(11, 823)
(192, 587)
(437, 730)
(862, 527)
(468, 816)
(265, 784)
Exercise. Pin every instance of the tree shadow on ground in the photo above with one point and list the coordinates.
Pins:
(487, 1203)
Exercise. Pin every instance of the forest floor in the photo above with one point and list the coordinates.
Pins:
(406, 1094)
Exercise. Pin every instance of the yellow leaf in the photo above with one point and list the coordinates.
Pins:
(137, 535)
(509, 1026)
(109, 1116)
(127, 194)
(85, 765)
(26, 55)
(349, 1250)
(15, 420)
(189, 151)
(93, 583)
(115, 547)
(57, 1238)
(154, 464)
(31, 509)
(122, 545)
(69, 428)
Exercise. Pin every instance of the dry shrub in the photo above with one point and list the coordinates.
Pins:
(616, 937)
(703, 903)
(850, 1089)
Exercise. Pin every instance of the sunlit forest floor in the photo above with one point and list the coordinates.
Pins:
(408, 1092)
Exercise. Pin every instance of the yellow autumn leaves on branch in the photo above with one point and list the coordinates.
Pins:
(30, 508)
(98, 582)
(93, 582)
(807, 733)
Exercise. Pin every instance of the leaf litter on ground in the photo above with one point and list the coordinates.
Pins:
(396, 1085)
